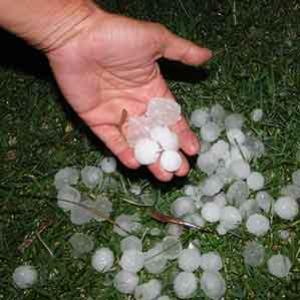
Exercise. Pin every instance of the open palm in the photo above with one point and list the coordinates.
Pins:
(111, 65)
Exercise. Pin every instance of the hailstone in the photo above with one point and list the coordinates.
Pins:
(211, 261)
(167, 139)
(25, 276)
(211, 212)
(148, 291)
(189, 260)
(102, 260)
(170, 160)
(255, 181)
(185, 285)
(210, 132)
(258, 224)
(182, 206)
(91, 176)
(132, 261)
(146, 151)
(279, 265)
(286, 208)
(125, 282)
(213, 284)
(108, 165)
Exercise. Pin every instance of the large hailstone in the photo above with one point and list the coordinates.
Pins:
(164, 111)
(185, 285)
(211, 212)
(255, 181)
(286, 208)
(66, 195)
(108, 165)
(211, 261)
(91, 176)
(125, 282)
(189, 260)
(170, 160)
(138, 128)
(155, 261)
(102, 260)
(258, 224)
(200, 117)
(148, 291)
(166, 138)
(183, 206)
(66, 176)
(240, 169)
(146, 151)
(25, 276)
(132, 261)
(212, 185)
(230, 218)
(253, 254)
(131, 242)
(279, 265)
(210, 132)
(213, 284)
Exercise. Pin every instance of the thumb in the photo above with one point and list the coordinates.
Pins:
(177, 48)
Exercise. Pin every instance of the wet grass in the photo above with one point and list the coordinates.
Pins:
(256, 64)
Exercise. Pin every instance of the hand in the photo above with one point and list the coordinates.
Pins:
(109, 65)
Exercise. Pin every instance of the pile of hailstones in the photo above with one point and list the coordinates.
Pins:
(230, 194)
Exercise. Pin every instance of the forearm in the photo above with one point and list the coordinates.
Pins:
(46, 24)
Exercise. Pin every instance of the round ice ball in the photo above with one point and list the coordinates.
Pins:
(258, 224)
(183, 206)
(132, 260)
(170, 160)
(240, 169)
(66, 176)
(264, 201)
(185, 285)
(66, 195)
(212, 185)
(91, 176)
(279, 265)
(234, 121)
(125, 282)
(210, 132)
(199, 117)
(211, 261)
(131, 242)
(166, 138)
(257, 114)
(211, 212)
(146, 151)
(220, 150)
(102, 260)
(149, 290)
(25, 276)
(255, 181)
(207, 162)
(155, 261)
(189, 260)
(253, 254)
(230, 218)
(213, 284)
(172, 247)
(286, 208)
(108, 165)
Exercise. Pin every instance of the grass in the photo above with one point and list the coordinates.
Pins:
(256, 64)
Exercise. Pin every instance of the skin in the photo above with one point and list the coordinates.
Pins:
(106, 63)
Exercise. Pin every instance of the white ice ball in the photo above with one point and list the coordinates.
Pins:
(131, 242)
(155, 260)
(185, 285)
(102, 260)
(66, 176)
(235, 136)
(220, 150)
(207, 162)
(148, 291)
(212, 185)
(166, 138)
(170, 160)
(146, 151)
(255, 181)
(230, 218)
(258, 224)
(91, 176)
(125, 282)
(199, 117)
(25, 276)
(132, 261)
(183, 206)
(240, 169)
(210, 132)
(234, 121)
(108, 165)
(66, 195)
(279, 265)
(213, 284)
(211, 261)
(286, 208)
(211, 212)
(264, 201)
(189, 260)
(257, 114)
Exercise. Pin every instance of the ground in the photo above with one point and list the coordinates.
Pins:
(256, 64)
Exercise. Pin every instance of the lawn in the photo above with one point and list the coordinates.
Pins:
(256, 64)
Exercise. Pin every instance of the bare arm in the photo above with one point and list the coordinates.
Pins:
(44, 24)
